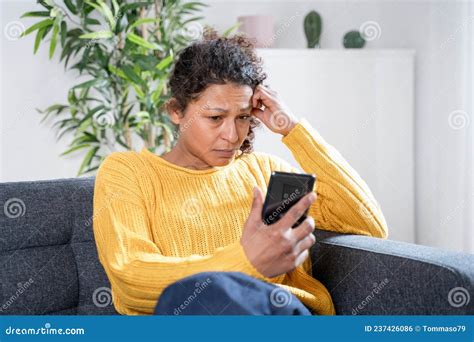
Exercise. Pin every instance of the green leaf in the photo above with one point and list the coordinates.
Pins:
(76, 32)
(63, 33)
(89, 84)
(155, 96)
(90, 21)
(43, 23)
(36, 14)
(191, 20)
(131, 75)
(47, 29)
(142, 42)
(39, 37)
(87, 137)
(166, 128)
(139, 92)
(97, 35)
(87, 159)
(132, 6)
(85, 124)
(116, 7)
(107, 13)
(231, 29)
(117, 71)
(75, 148)
(66, 49)
(145, 62)
(122, 143)
(95, 6)
(144, 117)
(66, 130)
(194, 5)
(165, 62)
(142, 21)
(54, 39)
(55, 107)
(92, 168)
(70, 6)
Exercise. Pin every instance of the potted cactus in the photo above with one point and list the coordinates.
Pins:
(312, 29)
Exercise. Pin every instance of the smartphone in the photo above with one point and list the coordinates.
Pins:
(284, 190)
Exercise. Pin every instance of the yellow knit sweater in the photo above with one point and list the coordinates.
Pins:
(156, 222)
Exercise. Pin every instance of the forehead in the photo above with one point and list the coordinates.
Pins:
(226, 95)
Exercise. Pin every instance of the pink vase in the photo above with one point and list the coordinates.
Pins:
(259, 27)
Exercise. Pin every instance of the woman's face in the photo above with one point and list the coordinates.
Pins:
(215, 125)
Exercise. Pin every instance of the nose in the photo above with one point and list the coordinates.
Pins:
(229, 132)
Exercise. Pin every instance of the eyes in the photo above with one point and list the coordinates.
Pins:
(217, 118)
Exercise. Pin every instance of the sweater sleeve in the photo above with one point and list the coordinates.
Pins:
(344, 202)
(135, 266)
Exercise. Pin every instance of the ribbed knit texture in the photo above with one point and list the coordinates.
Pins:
(156, 222)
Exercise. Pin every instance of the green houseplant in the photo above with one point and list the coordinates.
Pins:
(125, 50)
(312, 29)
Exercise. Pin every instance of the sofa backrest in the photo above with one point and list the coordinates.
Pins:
(48, 257)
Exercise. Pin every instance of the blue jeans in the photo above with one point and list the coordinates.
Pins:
(227, 293)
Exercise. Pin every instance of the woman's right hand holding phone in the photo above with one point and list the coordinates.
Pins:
(277, 248)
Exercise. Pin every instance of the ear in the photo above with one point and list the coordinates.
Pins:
(172, 108)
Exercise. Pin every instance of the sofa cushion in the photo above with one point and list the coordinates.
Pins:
(48, 257)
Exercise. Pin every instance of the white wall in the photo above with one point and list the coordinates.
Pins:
(29, 150)
(441, 33)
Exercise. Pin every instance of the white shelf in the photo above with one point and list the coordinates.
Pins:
(341, 51)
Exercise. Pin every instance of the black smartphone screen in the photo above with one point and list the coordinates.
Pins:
(284, 190)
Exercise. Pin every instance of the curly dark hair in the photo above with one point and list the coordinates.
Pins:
(216, 59)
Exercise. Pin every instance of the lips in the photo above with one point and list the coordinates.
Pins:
(225, 153)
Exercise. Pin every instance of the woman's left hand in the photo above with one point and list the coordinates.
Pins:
(275, 115)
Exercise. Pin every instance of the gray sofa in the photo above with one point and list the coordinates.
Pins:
(49, 264)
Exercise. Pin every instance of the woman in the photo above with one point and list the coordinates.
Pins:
(196, 210)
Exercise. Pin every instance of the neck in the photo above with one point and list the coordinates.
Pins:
(181, 156)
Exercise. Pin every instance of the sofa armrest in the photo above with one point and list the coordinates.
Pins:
(372, 276)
